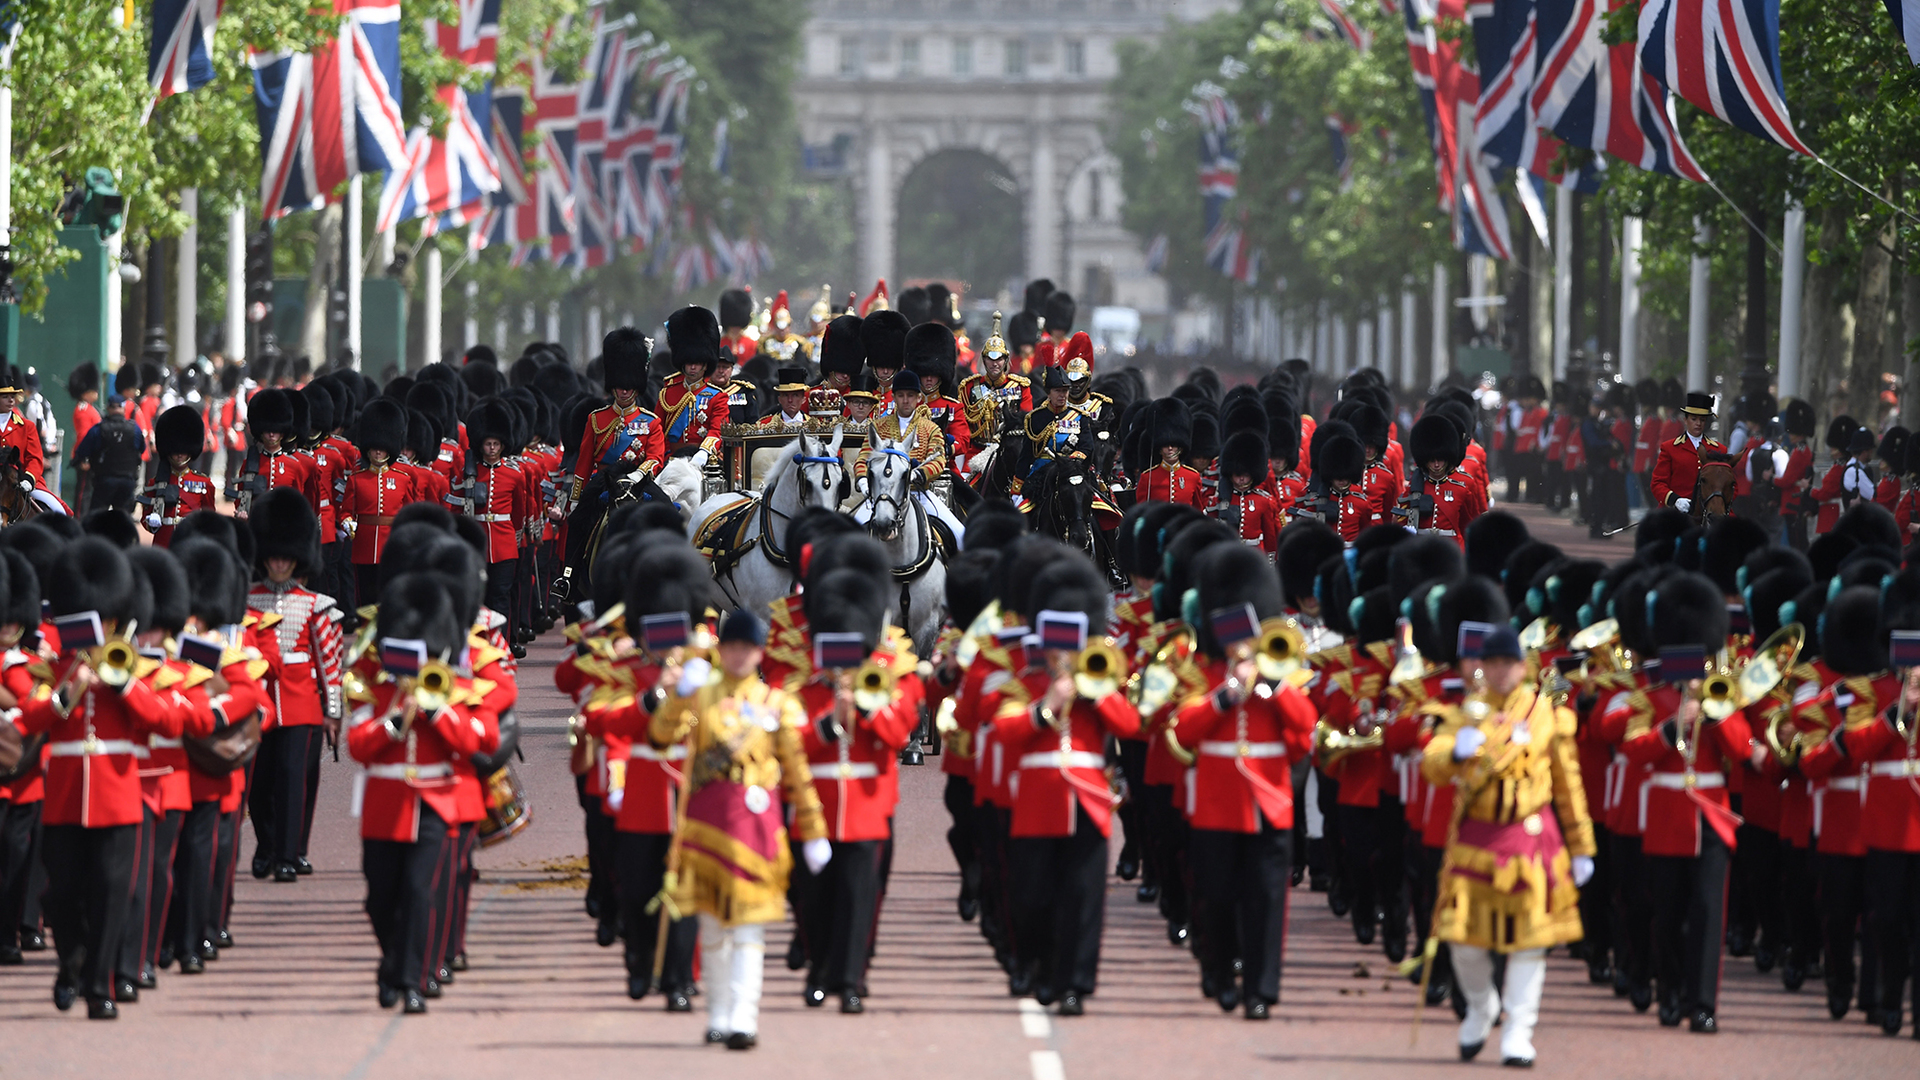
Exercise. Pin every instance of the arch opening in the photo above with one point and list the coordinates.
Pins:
(961, 219)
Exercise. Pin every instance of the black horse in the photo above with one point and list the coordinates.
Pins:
(1061, 497)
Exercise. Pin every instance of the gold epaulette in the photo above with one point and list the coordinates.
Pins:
(1640, 720)
(232, 655)
(145, 666)
(1381, 651)
(257, 668)
(41, 671)
(195, 677)
(367, 611)
(901, 646)
(480, 653)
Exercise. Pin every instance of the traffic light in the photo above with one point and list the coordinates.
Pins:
(259, 276)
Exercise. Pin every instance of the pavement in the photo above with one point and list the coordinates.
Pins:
(295, 996)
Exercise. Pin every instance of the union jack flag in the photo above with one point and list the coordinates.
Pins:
(1433, 61)
(1480, 217)
(1219, 150)
(451, 174)
(1344, 25)
(693, 268)
(1724, 56)
(180, 56)
(1504, 34)
(1600, 98)
(331, 114)
(1907, 24)
(600, 96)
(1157, 254)
(1230, 252)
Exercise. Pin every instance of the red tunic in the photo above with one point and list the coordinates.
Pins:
(1061, 773)
(373, 496)
(857, 776)
(1673, 800)
(1255, 514)
(693, 419)
(1161, 483)
(95, 751)
(406, 773)
(1242, 771)
(503, 501)
(175, 498)
(1677, 468)
(304, 677)
(16, 431)
(1892, 818)
(633, 434)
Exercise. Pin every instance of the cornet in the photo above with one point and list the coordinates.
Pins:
(873, 686)
(1098, 670)
(1281, 649)
(114, 661)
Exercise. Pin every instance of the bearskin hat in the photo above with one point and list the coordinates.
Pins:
(1851, 637)
(1765, 594)
(91, 574)
(1142, 518)
(420, 607)
(556, 382)
(1304, 545)
(624, 352)
(284, 527)
(1827, 551)
(1245, 454)
(883, 336)
(1422, 558)
(1725, 548)
(179, 430)
(1283, 440)
(848, 602)
(490, 420)
(437, 402)
(693, 337)
(423, 436)
(1206, 438)
(1568, 589)
(1371, 424)
(83, 380)
(1324, 432)
(1658, 536)
(1023, 329)
(1340, 458)
(216, 583)
(1767, 559)
(1798, 418)
(915, 304)
(1178, 556)
(969, 585)
(736, 310)
(382, 426)
(993, 526)
(1435, 438)
(270, 411)
(1245, 415)
(1688, 609)
(1151, 540)
(1491, 538)
(1014, 573)
(930, 350)
(168, 582)
(650, 515)
(1059, 314)
(1518, 569)
(848, 551)
(1071, 583)
(1034, 299)
(218, 528)
(842, 349)
(319, 405)
(1900, 600)
(1172, 425)
(22, 606)
(1470, 598)
(112, 524)
(476, 379)
(1840, 431)
(666, 578)
(1867, 522)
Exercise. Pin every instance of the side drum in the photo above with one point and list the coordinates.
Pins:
(507, 809)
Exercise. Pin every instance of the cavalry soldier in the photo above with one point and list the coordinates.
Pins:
(738, 338)
(1053, 427)
(1678, 467)
(1063, 806)
(376, 491)
(744, 751)
(1241, 802)
(306, 685)
(176, 489)
(621, 440)
(98, 725)
(408, 736)
(985, 396)
(19, 433)
(930, 354)
(1520, 845)
(1250, 510)
(818, 316)
(272, 461)
(692, 408)
(503, 500)
(852, 744)
(782, 344)
(1442, 499)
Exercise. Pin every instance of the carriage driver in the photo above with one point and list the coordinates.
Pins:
(1678, 465)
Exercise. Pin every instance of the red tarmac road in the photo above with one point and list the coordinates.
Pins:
(295, 996)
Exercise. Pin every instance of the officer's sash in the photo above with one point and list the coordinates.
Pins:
(680, 417)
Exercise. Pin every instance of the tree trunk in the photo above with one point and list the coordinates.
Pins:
(1910, 330)
(1820, 341)
(1870, 327)
(320, 277)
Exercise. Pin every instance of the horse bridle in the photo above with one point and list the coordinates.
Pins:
(873, 491)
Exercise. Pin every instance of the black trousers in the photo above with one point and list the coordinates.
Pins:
(1757, 869)
(448, 897)
(279, 803)
(996, 898)
(191, 920)
(1059, 903)
(1597, 917)
(1241, 881)
(336, 574)
(1633, 910)
(89, 884)
(115, 492)
(640, 861)
(1133, 766)
(1373, 837)
(128, 960)
(366, 583)
(1799, 900)
(469, 841)
(316, 744)
(1166, 849)
(166, 847)
(960, 835)
(1689, 915)
(226, 860)
(841, 913)
(500, 593)
(1893, 903)
(402, 878)
(1425, 898)
(600, 832)
(23, 877)
(1843, 896)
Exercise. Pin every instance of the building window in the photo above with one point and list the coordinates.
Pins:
(849, 56)
(1076, 57)
(909, 56)
(1016, 57)
(963, 56)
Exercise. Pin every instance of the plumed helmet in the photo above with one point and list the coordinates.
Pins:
(1491, 538)
(1244, 454)
(179, 430)
(420, 607)
(284, 527)
(1689, 609)
(624, 352)
(883, 335)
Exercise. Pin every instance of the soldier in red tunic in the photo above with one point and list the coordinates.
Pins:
(21, 434)
(502, 502)
(737, 336)
(1339, 468)
(1443, 500)
(1170, 429)
(1678, 466)
(176, 489)
(1247, 508)
(376, 492)
(930, 353)
(623, 441)
(271, 461)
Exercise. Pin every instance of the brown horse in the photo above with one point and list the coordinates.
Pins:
(16, 504)
(1713, 490)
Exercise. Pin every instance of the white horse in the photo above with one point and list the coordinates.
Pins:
(808, 473)
(681, 480)
(898, 517)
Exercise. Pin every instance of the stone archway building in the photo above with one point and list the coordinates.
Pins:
(884, 84)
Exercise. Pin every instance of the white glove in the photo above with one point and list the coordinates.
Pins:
(616, 798)
(699, 459)
(1582, 870)
(860, 485)
(152, 522)
(1466, 741)
(693, 676)
(817, 853)
(1685, 506)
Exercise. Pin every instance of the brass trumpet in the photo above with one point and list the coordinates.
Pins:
(114, 661)
(1098, 670)
(1281, 650)
(872, 686)
(1333, 744)
(1726, 691)
(433, 687)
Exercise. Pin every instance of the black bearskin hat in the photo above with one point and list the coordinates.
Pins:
(1517, 572)
(1658, 535)
(1840, 431)
(848, 602)
(1072, 583)
(1799, 419)
(1304, 545)
(842, 348)
(112, 524)
(216, 582)
(1435, 438)
(420, 607)
(1569, 589)
(1244, 415)
(172, 596)
(1370, 423)
(1059, 315)
(883, 336)
(1340, 458)
(1019, 562)
(693, 337)
(179, 430)
(1689, 609)
(1766, 593)
(1226, 576)
(319, 409)
(1206, 436)
(1034, 300)
(1867, 522)
(1725, 548)
(1851, 637)
(1244, 454)
(736, 311)
(284, 527)
(1491, 538)
(382, 426)
(668, 577)
(1422, 558)
(490, 420)
(1471, 598)
(624, 353)
(86, 379)
(969, 585)
(270, 411)
(1171, 423)
(992, 526)
(930, 350)
(92, 574)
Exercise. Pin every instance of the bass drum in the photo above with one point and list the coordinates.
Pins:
(507, 809)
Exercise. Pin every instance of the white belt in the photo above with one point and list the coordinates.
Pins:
(428, 771)
(1063, 759)
(1244, 749)
(844, 770)
(1678, 781)
(96, 748)
(159, 743)
(643, 752)
(294, 657)
(1850, 783)
(487, 519)
(1903, 767)
(1442, 532)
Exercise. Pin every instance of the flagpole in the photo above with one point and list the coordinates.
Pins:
(470, 326)
(1702, 266)
(1630, 233)
(1793, 267)
(430, 304)
(1440, 311)
(186, 292)
(236, 334)
(353, 256)
(1562, 280)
